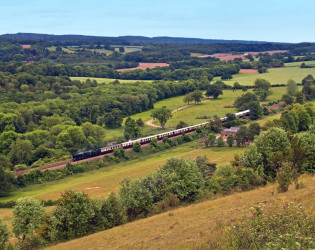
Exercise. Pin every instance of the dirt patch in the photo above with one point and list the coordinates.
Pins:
(144, 66)
(249, 71)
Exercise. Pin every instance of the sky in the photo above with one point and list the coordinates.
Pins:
(264, 20)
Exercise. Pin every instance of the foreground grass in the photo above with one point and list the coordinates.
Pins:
(100, 183)
(195, 226)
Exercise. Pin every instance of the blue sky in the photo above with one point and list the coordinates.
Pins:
(264, 20)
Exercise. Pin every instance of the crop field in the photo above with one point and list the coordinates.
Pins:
(100, 183)
(198, 226)
(275, 75)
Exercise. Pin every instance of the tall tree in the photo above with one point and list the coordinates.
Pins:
(197, 95)
(163, 114)
(308, 80)
(262, 88)
(28, 216)
(214, 90)
(292, 87)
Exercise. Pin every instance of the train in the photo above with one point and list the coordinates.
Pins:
(146, 140)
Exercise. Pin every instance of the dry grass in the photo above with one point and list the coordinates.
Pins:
(195, 226)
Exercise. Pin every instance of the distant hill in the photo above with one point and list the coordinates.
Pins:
(124, 39)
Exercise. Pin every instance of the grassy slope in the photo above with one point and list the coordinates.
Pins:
(101, 182)
(194, 226)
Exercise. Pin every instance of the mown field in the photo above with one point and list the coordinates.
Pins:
(275, 75)
(198, 226)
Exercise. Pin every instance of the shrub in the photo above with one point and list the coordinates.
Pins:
(220, 141)
(285, 176)
(181, 124)
(286, 227)
(71, 217)
(136, 147)
(224, 179)
(230, 140)
(4, 234)
(182, 178)
(112, 211)
(154, 142)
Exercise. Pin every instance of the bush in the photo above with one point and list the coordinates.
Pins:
(136, 147)
(71, 217)
(112, 212)
(224, 179)
(182, 178)
(220, 141)
(4, 234)
(287, 227)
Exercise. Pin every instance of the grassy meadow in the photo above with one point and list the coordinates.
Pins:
(198, 226)
(190, 114)
(100, 183)
(275, 75)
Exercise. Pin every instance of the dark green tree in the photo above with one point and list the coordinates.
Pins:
(214, 91)
(163, 114)
(230, 140)
(262, 88)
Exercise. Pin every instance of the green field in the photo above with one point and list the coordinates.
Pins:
(102, 51)
(106, 80)
(190, 114)
(210, 108)
(102, 182)
(275, 75)
(53, 48)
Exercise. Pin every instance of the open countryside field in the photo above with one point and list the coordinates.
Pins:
(209, 108)
(100, 183)
(212, 107)
(275, 75)
(106, 80)
(197, 226)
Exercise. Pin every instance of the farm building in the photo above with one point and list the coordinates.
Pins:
(229, 131)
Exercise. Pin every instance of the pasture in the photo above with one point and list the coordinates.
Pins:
(100, 183)
(275, 75)
(190, 114)
(198, 226)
